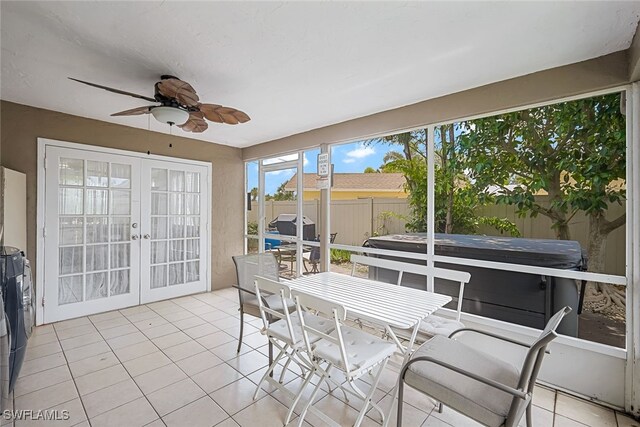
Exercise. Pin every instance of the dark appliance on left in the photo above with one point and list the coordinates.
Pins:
(17, 293)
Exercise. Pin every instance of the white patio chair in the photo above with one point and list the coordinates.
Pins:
(350, 350)
(475, 383)
(284, 331)
(433, 324)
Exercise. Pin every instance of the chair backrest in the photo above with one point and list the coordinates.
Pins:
(533, 362)
(335, 311)
(265, 286)
(461, 277)
(252, 265)
(314, 256)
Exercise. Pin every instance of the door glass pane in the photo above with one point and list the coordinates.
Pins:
(159, 228)
(192, 204)
(96, 203)
(97, 174)
(120, 254)
(193, 249)
(97, 258)
(97, 285)
(158, 252)
(120, 229)
(176, 180)
(71, 230)
(193, 226)
(97, 229)
(120, 202)
(69, 289)
(70, 201)
(159, 276)
(159, 179)
(176, 204)
(70, 260)
(120, 176)
(119, 282)
(192, 182)
(176, 226)
(176, 250)
(158, 203)
(71, 172)
(176, 273)
(193, 271)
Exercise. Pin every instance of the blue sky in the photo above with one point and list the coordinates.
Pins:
(347, 158)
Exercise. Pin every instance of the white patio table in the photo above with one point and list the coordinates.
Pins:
(384, 304)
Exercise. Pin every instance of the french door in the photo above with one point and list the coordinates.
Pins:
(173, 247)
(120, 230)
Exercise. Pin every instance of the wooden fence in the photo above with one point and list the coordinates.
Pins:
(357, 220)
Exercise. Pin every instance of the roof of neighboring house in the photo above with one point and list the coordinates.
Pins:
(354, 181)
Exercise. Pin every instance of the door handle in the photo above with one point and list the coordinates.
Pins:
(146, 236)
(135, 237)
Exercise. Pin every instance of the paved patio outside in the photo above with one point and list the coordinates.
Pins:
(174, 363)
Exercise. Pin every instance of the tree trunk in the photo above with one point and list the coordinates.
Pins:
(446, 155)
(601, 295)
(559, 218)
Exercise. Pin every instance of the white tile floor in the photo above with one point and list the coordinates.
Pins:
(174, 363)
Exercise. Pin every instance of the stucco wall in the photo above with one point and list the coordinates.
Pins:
(21, 126)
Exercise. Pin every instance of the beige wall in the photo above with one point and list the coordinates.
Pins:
(571, 80)
(21, 126)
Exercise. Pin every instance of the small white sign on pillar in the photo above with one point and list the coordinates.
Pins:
(323, 165)
(323, 183)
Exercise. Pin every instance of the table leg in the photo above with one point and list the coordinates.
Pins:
(407, 354)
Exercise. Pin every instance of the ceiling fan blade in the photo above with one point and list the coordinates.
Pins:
(134, 111)
(210, 113)
(118, 91)
(220, 114)
(195, 124)
(177, 89)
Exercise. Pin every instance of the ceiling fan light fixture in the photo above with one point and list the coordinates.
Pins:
(170, 115)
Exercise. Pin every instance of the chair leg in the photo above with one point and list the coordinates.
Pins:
(241, 329)
(269, 372)
(400, 402)
(369, 396)
(270, 357)
(313, 396)
(529, 422)
(440, 407)
(304, 385)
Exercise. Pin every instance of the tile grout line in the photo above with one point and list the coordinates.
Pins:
(73, 380)
(130, 377)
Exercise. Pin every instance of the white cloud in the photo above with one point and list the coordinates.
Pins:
(359, 153)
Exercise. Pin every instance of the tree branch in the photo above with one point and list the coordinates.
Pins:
(608, 226)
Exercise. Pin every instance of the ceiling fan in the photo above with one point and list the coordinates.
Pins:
(178, 105)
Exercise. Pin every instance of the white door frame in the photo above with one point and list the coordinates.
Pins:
(264, 169)
(43, 143)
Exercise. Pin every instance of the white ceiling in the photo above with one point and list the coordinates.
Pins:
(291, 66)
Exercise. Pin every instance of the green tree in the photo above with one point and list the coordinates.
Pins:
(369, 169)
(281, 194)
(456, 201)
(254, 194)
(573, 151)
